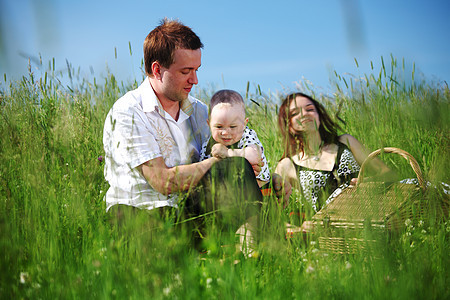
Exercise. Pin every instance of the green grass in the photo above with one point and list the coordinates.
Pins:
(55, 241)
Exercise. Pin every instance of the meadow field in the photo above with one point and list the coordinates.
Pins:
(56, 241)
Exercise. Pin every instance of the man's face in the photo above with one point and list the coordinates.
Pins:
(178, 80)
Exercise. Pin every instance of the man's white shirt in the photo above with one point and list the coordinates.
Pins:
(137, 129)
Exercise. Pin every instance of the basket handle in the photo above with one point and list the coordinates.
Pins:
(412, 161)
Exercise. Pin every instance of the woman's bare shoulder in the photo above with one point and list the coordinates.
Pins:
(284, 164)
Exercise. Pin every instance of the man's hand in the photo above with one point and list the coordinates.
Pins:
(219, 151)
(283, 188)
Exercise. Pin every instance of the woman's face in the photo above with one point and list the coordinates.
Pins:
(304, 115)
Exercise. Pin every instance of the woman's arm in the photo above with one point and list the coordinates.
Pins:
(376, 167)
(286, 170)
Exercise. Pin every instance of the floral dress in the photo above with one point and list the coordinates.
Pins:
(318, 185)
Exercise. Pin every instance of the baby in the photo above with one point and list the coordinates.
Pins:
(230, 135)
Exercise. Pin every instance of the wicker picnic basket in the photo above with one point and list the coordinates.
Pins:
(360, 215)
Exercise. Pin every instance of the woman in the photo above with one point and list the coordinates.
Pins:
(316, 160)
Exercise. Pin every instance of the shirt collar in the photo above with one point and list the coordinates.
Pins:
(150, 102)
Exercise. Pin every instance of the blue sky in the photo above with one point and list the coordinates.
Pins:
(275, 44)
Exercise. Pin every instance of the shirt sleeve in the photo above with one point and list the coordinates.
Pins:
(134, 143)
(199, 118)
(203, 154)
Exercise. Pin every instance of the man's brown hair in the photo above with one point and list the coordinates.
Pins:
(161, 43)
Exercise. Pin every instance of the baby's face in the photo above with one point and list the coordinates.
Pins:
(227, 123)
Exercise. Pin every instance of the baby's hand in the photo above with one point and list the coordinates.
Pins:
(219, 151)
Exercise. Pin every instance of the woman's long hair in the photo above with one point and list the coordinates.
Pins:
(294, 140)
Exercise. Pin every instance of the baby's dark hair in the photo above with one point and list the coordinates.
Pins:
(225, 96)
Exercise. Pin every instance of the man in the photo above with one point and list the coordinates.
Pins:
(153, 135)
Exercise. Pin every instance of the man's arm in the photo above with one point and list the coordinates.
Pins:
(176, 179)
